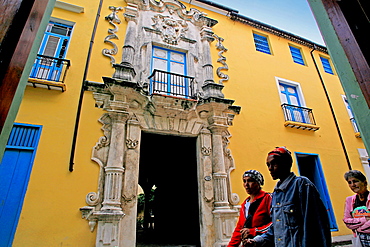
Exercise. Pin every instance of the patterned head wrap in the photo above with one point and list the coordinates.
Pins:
(280, 151)
(256, 175)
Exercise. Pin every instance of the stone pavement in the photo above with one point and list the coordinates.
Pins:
(342, 241)
(161, 245)
(338, 241)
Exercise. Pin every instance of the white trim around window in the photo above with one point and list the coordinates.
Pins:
(297, 85)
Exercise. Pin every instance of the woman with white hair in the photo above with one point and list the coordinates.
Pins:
(356, 212)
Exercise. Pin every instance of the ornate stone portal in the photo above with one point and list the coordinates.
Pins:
(132, 108)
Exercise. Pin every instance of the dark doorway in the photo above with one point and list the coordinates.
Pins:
(309, 165)
(168, 176)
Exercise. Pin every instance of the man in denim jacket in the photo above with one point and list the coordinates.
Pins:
(298, 214)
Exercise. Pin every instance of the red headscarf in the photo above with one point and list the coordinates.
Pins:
(279, 151)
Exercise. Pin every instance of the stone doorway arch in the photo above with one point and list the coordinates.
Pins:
(113, 206)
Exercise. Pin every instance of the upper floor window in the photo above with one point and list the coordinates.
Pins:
(169, 60)
(56, 40)
(170, 73)
(293, 105)
(326, 64)
(50, 64)
(351, 117)
(296, 55)
(289, 94)
(261, 43)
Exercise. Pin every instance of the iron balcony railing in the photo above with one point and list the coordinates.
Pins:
(50, 68)
(354, 124)
(298, 114)
(168, 83)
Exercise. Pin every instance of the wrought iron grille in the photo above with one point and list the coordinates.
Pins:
(168, 83)
(50, 68)
(298, 114)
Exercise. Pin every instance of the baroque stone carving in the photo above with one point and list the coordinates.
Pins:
(92, 199)
(112, 18)
(222, 59)
(206, 151)
(229, 167)
(130, 110)
(170, 29)
(104, 141)
(132, 143)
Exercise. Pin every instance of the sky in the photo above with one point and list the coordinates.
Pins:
(293, 16)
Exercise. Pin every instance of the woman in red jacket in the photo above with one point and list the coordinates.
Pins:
(254, 216)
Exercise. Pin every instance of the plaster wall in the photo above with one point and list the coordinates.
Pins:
(50, 215)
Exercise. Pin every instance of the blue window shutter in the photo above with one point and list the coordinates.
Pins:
(326, 64)
(296, 55)
(261, 43)
(291, 94)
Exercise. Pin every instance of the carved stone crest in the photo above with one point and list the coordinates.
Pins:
(171, 30)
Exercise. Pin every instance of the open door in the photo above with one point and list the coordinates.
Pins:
(168, 176)
(309, 166)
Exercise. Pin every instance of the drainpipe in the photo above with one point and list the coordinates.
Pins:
(331, 109)
(78, 114)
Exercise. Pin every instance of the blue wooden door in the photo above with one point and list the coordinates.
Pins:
(15, 170)
(54, 46)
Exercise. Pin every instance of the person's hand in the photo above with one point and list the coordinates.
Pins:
(249, 242)
(244, 233)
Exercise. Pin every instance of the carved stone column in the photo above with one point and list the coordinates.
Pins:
(130, 183)
(114, 168)
(207, 37)
(111, 213)
(224, 213)
(125, 70)
(219, 173)
(210, 88)
(206, 197)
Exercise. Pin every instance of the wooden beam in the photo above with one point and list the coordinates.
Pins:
(17, 37)
(351, 48)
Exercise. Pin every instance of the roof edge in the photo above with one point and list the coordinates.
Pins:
(276, 31)
(235, 16)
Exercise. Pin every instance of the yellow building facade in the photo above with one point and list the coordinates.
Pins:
(180, 97)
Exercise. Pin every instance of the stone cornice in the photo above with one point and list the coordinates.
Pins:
(69, 7)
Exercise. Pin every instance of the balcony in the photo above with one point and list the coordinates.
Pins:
(49, 72)
(168, 83)
(299, 117)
